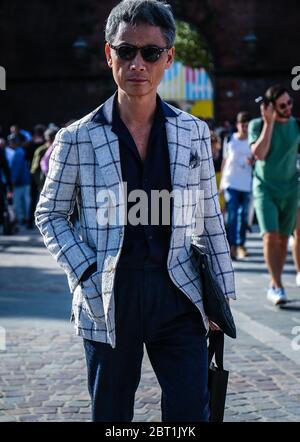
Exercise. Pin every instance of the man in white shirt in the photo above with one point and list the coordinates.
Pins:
(236, 183)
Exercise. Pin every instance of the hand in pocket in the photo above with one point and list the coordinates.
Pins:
(93, 297)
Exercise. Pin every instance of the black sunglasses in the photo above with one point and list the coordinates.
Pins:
(127, 52)
(283, 106)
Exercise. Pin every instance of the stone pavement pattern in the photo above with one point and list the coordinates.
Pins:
(43, 372)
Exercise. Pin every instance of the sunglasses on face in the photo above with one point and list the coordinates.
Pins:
(127, 52)
(283, 106)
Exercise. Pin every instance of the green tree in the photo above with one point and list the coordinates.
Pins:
(191, 48)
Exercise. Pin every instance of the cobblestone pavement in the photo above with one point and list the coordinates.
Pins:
(42, 368)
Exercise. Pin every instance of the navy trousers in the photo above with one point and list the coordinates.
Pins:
(150, 309)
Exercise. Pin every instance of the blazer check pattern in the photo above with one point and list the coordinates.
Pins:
(86, 160)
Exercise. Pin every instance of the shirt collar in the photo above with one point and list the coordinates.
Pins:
(105, 113)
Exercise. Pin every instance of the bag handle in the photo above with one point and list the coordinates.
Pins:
(216, 347)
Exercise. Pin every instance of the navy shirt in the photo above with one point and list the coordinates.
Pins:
(145, 245)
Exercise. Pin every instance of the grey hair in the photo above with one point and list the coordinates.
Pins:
(135, 12)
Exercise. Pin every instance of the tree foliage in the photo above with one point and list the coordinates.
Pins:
(191, 48)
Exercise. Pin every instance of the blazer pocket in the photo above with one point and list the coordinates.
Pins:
(93, 297)
(194, 161)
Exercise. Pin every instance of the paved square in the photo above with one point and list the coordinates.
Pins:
(42, 365)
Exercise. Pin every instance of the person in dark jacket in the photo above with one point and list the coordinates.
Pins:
(20, 176)
(6, 188)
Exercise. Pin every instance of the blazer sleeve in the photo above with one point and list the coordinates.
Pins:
(214, 229)
(56, 204)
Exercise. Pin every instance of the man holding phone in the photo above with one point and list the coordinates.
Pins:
(274, 140)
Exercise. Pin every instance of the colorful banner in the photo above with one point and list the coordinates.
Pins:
(184, 83)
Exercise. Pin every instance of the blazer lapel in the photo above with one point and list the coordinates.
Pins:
(106, 143)
(106, 146)
(179, 144)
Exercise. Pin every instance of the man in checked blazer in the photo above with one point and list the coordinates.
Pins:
(136, 283)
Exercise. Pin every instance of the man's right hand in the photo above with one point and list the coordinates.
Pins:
(88, 272)
(213, 326)
(268, 113)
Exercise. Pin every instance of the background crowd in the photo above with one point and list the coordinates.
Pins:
(24, 164)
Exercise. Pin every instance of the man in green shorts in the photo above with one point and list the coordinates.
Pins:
(274, 140)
